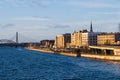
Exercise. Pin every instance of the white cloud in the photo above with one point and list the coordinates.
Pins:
(8, 25)
(93, 4)
(111, 13)
(59, 26)
(44, 3)
(31, 19)
(26, 3)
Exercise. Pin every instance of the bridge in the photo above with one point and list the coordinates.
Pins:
(13, 43)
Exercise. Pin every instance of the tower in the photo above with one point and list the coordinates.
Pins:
(91, 29)
(16, 37)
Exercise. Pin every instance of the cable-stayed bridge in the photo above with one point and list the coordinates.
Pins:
(14, 41)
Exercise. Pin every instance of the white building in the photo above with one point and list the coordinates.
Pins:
(89, 38)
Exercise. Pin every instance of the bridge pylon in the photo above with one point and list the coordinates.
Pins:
(17, 38)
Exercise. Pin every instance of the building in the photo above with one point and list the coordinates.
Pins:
(76, 38)
(108, 38)
(59, 42)
(47, 43)
(89, 38)
(63, 41)
(84, 38)
(73, 42)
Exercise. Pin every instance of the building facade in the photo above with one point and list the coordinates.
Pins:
(76, 39)
(89, 38)
(84, 38)
(62, 41)
(108, 38)
(47, 43)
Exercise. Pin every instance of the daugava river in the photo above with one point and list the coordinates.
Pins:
(22, 64)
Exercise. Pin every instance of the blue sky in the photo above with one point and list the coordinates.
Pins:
(44, 19)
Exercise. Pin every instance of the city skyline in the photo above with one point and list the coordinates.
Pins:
(44, 19)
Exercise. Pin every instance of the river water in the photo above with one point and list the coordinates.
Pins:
(22, 64)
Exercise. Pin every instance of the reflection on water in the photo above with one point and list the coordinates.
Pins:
(21, 64)
(115, 62)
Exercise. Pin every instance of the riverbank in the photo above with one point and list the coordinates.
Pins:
(93, 56)
(41, 50)
(53, 52)
(102, 57)
(68, 54)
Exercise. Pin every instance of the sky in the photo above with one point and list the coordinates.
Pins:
(36, 20)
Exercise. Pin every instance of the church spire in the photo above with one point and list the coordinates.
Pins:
(91, 29)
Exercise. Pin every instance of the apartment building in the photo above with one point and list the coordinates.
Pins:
(108, 38)
(62, 41)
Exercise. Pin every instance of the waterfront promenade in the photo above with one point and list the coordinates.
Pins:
(102, 57)
(86, 55)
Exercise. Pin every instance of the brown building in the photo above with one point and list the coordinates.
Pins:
(47, 43)
(62, 41)
(108, 38)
